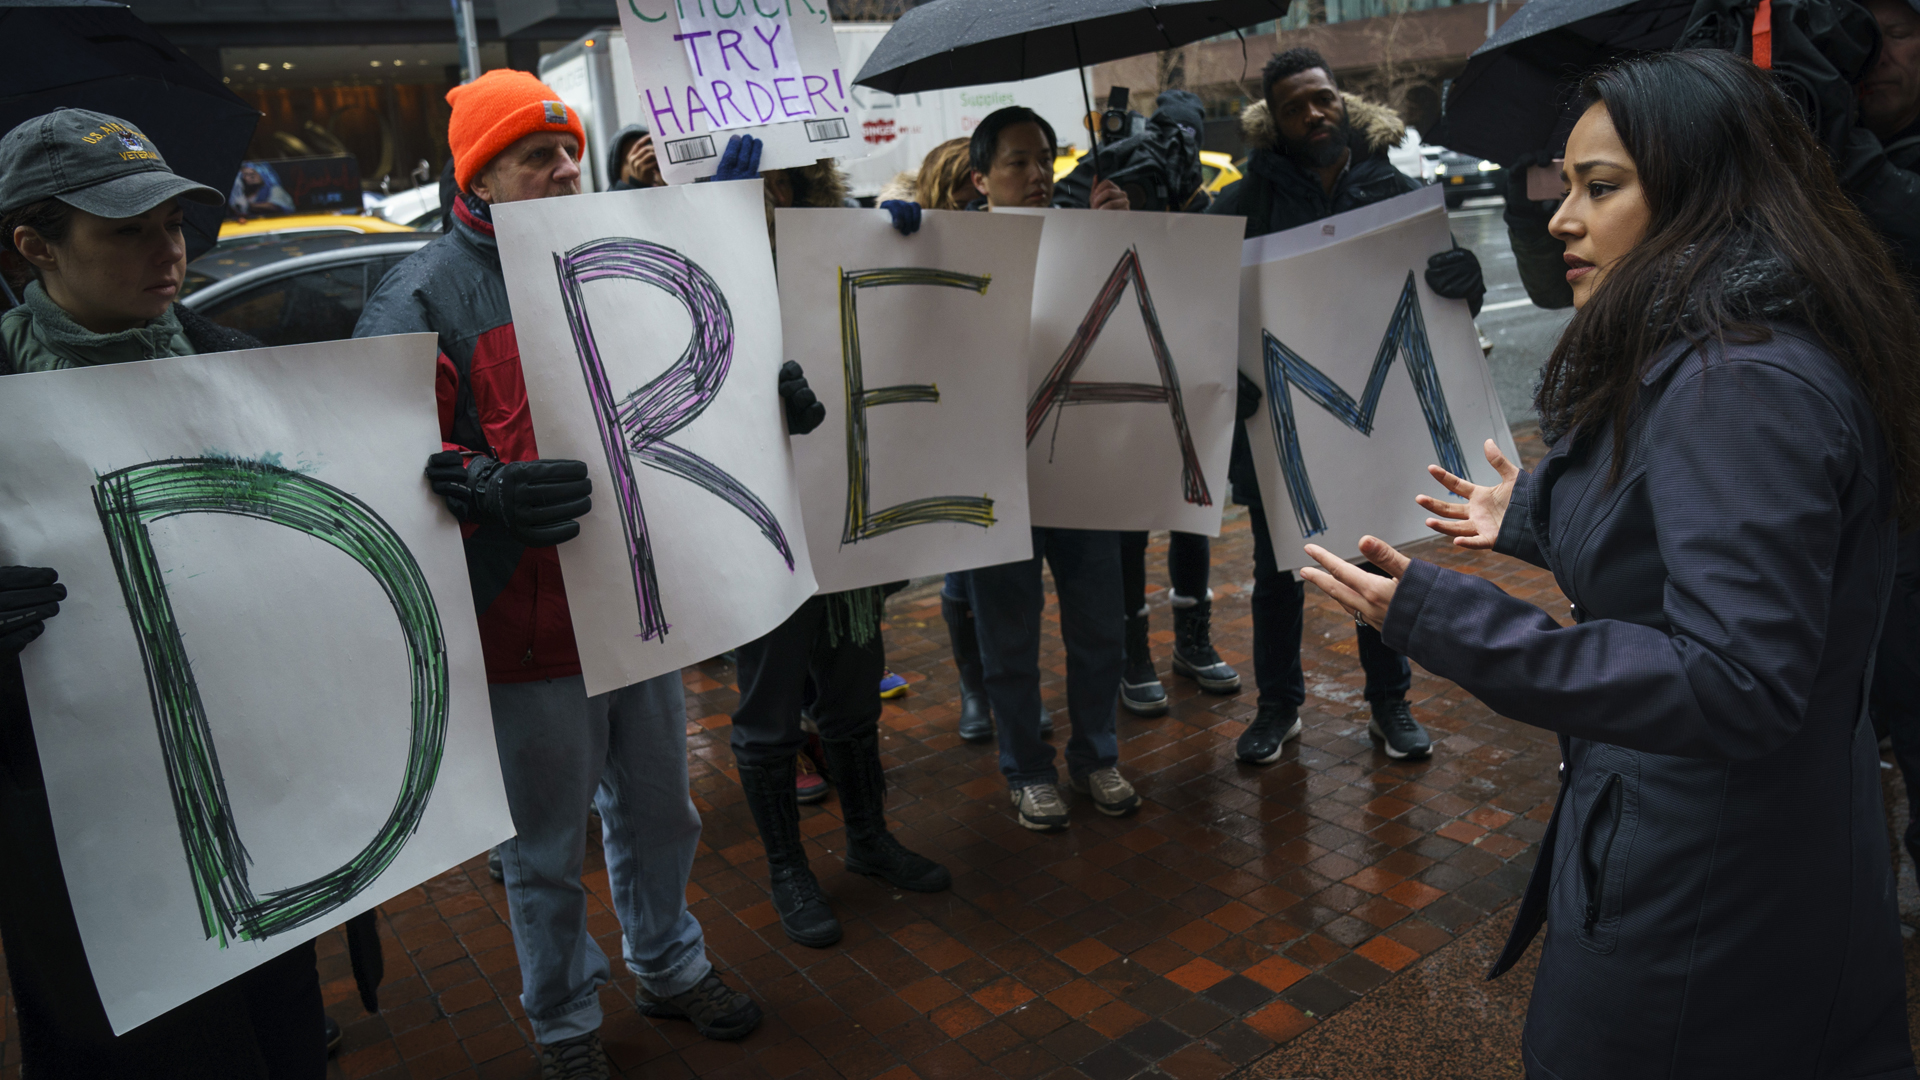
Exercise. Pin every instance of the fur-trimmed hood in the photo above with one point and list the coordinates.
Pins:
(1376, 125)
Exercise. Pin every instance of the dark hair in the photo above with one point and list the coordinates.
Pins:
(1733, 179)
(1285, 65)
(51, 218)
(986, 137)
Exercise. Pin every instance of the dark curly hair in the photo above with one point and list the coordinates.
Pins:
(1286, 65)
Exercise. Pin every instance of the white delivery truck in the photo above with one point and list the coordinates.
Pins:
(595, 76)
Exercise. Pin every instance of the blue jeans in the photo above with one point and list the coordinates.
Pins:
(626, 752)
(1279, 618)
(1007, 602)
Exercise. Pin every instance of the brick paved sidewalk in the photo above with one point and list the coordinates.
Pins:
(1239, 908)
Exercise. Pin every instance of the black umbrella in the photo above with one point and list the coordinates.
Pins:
(950, 43)
(88, 54)
(1514, 96)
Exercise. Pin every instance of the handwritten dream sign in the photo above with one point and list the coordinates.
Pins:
(706, 70)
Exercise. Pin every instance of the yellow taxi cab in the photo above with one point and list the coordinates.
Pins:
(309, 224)
(1216, 170)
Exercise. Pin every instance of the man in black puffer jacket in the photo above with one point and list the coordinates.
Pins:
(1317, 152)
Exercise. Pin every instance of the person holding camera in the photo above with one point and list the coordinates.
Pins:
(1318, 152)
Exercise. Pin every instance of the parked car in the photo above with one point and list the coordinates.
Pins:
(292, 290)
(1468, 177)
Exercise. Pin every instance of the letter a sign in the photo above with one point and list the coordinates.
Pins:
(1130, 392)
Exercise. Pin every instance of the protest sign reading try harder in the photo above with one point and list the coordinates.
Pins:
(706, 71)
(262, 709)
(649, 331)
(916, 346)
(1328, 312)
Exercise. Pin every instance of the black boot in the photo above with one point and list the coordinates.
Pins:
(1193, 654)
(804, 913)
(1140, 689)
(871, 849)
(976, 716)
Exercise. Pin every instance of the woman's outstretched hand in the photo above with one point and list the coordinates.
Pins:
(1365, 596)
(1476, 522)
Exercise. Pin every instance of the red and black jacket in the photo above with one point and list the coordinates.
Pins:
(453, 288)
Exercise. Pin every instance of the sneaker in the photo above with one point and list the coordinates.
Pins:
(809, 786)
(891, 685)
(717, 1010)
(579, 1058)
(494, 870)
(1397, 732)
(1112, 795)
(1040, 807)
(1267, 735)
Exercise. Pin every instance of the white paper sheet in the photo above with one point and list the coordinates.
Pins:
(770, 70)
(931, 474)
(664, 381)
(1115, 442)
(1328, 296)
(343, 717)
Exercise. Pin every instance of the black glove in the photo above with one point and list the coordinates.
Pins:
(29, 595)
(536, 502)
(1455, 274)
(1246, 399)
(804, 411)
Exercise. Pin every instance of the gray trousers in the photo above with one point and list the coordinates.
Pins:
(626, 752)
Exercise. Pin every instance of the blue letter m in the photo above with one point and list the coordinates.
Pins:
(1406, 333)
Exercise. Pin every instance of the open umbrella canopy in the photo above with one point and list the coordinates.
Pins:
(1514, 96)
(88, 54)
(950, 43)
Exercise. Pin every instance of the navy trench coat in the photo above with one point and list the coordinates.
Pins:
(1714, 884)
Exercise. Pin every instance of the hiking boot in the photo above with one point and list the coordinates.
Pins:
(804, 913)
(1112, 795)
(716, 1010)
(1267, 735)
(871, 849)
(1140, 691)
(976, 716)
(1040, 807)
(578, 1058)
(1397, 732)
(1193, 654)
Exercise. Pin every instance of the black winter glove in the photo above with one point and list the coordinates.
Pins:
(1455, 274)
(804, 411)
(536, 502)
(1246, 399)
(29, 595)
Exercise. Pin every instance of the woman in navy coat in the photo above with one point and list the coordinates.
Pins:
(1732, 415)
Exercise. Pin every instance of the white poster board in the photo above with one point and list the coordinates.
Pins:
(1366, 377)
(649, 331)
(262, 709)
(916, 345)
(770, 70)
(1130, 379)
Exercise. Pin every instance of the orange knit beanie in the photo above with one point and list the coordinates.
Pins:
(495, 110)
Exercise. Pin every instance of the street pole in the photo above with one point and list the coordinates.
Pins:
(469, 40)
(1490, 20)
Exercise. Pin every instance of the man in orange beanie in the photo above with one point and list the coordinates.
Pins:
(561, 752)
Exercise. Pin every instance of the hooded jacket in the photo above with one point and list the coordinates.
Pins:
(1277, 194)
(617, 155)
(453, 287)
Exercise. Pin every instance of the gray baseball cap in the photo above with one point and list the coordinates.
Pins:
(95, 162)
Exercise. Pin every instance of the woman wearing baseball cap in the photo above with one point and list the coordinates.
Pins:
(90, 234)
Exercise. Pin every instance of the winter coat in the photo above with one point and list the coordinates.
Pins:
(1275, 194)
(1714, 881)
(453, 288)
(202, 333)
